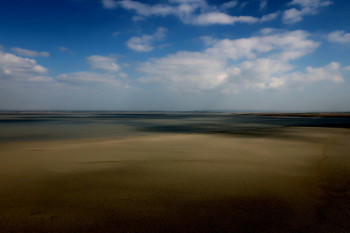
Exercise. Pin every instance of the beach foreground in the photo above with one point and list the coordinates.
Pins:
(296, 182)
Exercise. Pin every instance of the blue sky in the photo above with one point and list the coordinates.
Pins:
(261, 55)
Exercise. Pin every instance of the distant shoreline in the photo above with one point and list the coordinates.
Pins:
(237, 113)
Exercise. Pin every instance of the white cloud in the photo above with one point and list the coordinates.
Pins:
(208, 40)
(140, 8)
(285, 46)
(20, 69)
(103, 63)
(109, 4)
(187, 1)
(307, 7)
(311, 3)
(269, 17)
(145, 42)
(229, 5)
(88, 79)
(260, 73)
(15, 69)
(260, 62)
(188, 70)
(108, 77)
(140, 44)
(292, 16)
(222, 18)
(196, 12)
(266, 31)
(330, 72)
(339, 37)
(30, 53)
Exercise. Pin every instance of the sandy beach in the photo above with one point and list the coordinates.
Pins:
(298, 182)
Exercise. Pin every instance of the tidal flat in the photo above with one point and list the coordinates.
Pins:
(250, 176)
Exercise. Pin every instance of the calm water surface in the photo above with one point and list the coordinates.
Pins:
(33, 126)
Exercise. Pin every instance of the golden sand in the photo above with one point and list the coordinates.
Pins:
(299, 182)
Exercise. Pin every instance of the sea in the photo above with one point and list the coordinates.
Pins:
(16, 126)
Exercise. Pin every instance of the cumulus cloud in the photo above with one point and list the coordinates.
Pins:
(103, 63)
(330, 72)
(281, 45)
(21, 69)
(30, 53)
(259, 62)
(306, 7)
(197, 12)
(190, 70)
(339, 37)
(145, 42)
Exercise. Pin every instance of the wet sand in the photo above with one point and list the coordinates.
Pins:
(320, 114)
(299, 182)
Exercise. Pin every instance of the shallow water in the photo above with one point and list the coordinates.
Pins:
(33, 126)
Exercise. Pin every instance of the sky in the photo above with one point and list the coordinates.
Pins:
(175, 55)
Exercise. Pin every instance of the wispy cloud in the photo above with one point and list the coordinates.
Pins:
(89, 79)
(116, 33)
(208, 40)
(339, 37)
(269, 17)
(109, 4)
(263, 4)
(30, 53)
(222, 18)
(63, 49)
(229, 5)
(307, 7)
(103, 63)
(144, 43)
(196, 12)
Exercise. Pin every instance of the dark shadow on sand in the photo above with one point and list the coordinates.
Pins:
(127, 200)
